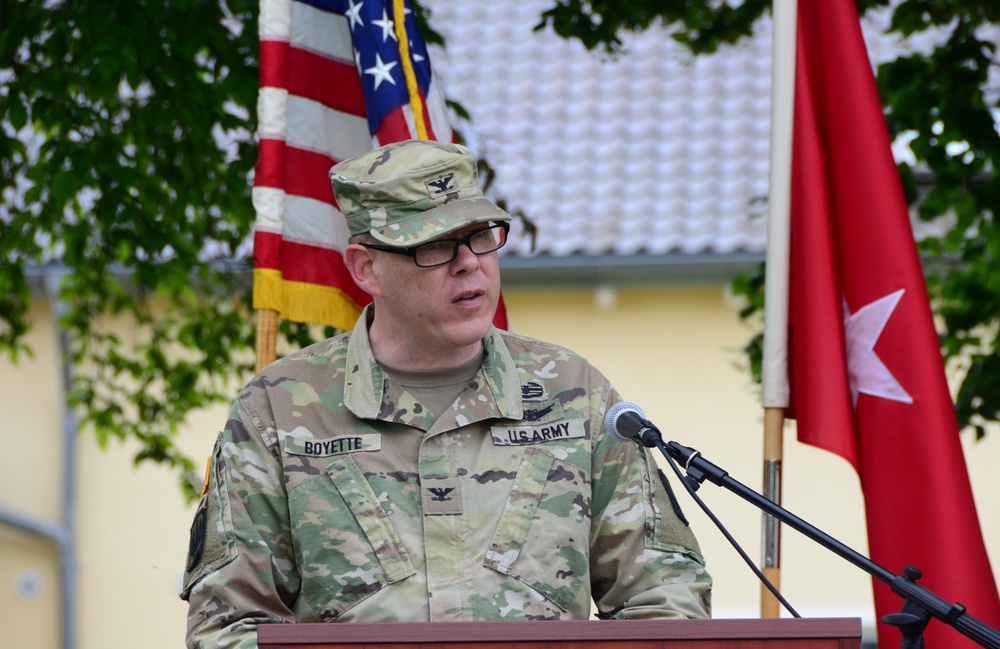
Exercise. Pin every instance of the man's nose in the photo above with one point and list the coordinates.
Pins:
(464, 257)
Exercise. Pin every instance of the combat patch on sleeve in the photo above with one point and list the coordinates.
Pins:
(212, 541)
(673, 499)
(196, 544)
(666, 526)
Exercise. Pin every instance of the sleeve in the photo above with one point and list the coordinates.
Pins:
(241, 569)
(645, 561)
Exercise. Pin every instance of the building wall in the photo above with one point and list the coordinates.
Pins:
(30, 468)
(673, 351)
(676, 354)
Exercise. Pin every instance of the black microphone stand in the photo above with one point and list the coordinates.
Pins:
(920, 604)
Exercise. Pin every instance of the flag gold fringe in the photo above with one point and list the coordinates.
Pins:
(302, 302)
(267, 289)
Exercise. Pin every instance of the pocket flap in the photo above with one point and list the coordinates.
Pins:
(364, 505)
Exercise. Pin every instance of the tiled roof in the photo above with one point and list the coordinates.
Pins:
(658, 152)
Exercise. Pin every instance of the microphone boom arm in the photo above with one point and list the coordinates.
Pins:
(920, 603)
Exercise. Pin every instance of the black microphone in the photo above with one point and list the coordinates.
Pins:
(627, 421)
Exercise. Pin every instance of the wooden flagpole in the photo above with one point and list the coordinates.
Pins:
(267, 337)
(774, 370)
(774, 421)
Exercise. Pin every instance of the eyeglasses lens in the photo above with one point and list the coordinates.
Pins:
(480, 242)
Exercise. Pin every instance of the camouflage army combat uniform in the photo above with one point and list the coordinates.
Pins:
(334, 498)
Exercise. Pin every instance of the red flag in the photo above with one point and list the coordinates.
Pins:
(338, 78)
(866, 375)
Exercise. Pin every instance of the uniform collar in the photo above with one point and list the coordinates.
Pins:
(499, 388)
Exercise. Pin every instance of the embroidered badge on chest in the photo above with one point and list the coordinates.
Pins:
(536, 414)
(441, 496)
(532, 391)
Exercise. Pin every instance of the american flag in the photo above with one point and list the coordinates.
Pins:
(333, 85)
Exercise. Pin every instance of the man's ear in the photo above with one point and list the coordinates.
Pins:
(360, 262)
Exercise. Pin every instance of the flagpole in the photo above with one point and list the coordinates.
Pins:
(267, 337)
(774, 369)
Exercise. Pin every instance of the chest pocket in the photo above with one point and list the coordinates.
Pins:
(542, 538)
(345, 545)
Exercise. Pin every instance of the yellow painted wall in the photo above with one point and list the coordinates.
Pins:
(30, 466)
(131, 536)
(670, 350)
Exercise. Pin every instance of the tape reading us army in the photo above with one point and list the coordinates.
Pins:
(521, 435)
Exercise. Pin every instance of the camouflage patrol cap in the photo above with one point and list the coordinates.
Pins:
(410, 192)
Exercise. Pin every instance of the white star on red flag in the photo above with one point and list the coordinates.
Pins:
(866, 371)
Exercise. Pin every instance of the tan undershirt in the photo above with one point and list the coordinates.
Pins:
(436, 390)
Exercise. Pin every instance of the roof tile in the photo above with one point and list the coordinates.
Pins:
(656, 152)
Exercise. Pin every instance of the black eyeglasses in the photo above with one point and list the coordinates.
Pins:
(442, 251)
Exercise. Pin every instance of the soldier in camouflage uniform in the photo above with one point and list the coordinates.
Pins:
(427, 466)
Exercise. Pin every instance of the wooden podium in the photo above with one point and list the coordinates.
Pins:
(816, 633)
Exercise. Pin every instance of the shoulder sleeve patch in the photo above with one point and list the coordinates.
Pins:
(666, 527)
(212, 543)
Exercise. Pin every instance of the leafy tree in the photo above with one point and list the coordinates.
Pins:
(125, 153)
(125, 156)
(942, 101)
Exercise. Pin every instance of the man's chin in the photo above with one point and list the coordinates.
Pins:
(470, 330)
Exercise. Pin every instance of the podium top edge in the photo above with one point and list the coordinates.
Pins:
(446, 632)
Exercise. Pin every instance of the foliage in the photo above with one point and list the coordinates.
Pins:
(126, 153)
(940, 100)
(125, 156)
